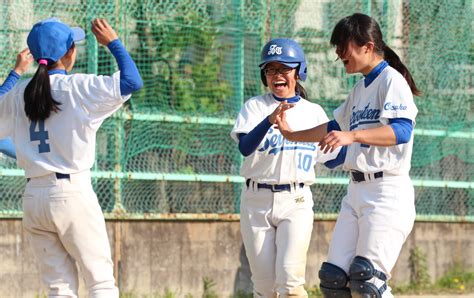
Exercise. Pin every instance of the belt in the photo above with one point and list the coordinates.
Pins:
(358, 176)
(275, 187)
(58, 176)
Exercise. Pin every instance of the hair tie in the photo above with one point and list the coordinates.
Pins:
(43, 61)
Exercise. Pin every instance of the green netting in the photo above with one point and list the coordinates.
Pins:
(168, 150)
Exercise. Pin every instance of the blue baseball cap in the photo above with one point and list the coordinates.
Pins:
(51, 39)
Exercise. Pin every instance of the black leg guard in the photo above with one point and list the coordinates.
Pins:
(362, 289)
(333, 281)
(360, 272)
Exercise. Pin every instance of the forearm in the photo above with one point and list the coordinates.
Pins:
(130, 79)
(248, 143)
(10, 81)
(380, 136)
(313, 135)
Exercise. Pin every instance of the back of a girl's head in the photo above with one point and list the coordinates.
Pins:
(48, 41)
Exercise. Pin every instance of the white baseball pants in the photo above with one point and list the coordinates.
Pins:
(376, 218)
(276, 230)
(65, 225)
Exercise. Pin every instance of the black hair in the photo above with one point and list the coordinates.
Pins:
(38, 100)
(361, 29)
(301, 90)
(39, 103)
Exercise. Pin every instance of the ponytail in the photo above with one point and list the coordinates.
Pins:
(394, 61)
(38, 100)
(301, 90)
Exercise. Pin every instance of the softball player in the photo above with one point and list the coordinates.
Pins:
(23, 61)
(375, 124)
(53, 119)
(276, 215)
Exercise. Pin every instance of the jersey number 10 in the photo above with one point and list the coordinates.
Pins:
(40, 135)
(304, 161)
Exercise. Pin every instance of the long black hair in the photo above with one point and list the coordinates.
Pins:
(361, 29)
(39, 103)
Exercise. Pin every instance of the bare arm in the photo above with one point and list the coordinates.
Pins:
(314, 134)
(380, 136)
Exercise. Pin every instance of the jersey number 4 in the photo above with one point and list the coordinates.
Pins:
(40, 135)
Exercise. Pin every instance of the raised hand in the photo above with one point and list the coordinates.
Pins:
(23, 61)
(282, 125)
(103, 31)
(282, 107)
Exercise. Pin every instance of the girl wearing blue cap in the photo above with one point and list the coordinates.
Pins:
(276, 208)
(53, 119)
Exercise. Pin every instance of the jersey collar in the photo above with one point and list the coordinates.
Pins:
(374, 73)
(293, 99)
(57, 71)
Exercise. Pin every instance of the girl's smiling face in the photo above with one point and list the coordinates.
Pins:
(281, 79)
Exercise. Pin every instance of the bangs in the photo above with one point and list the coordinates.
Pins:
(341, 35)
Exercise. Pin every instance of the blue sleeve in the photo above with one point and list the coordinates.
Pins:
(339, 160)
(7, 147)
(341, 156)
(130, 79)
(248, 143)
(9, 82)
(333, 125)
(402, 127)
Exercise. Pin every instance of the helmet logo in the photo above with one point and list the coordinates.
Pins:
(274, 49)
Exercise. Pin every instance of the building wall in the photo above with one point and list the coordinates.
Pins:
(155, 256)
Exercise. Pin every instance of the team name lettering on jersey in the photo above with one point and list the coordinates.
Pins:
(389, 107)
(364, 116)
(274, 49)
(275, 143)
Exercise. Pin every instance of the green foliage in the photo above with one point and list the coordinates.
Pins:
(419, 276)
(457, 280)
(188, 54)
(208, 292)
(314, 292)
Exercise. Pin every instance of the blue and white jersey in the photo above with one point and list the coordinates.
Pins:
(388, 96)
(277, 160)
(65, 142)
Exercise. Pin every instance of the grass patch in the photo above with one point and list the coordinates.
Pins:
(456, 281)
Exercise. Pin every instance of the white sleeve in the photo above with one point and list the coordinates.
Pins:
(7, 113)
(249, 117)
(342, 115)
(397, 100)
(100, 95)
(320, 156)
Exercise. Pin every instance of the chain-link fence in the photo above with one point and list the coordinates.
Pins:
(169, 151)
